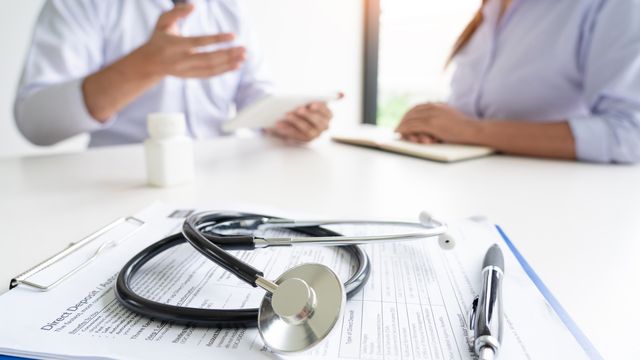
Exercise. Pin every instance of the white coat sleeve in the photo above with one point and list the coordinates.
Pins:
(67, 45)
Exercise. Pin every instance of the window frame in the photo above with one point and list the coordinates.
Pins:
(371, 61)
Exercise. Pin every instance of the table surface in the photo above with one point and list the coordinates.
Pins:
(577, 224)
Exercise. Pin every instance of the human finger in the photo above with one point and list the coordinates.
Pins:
(208, 71)
(316, 119)
(409, 121)
(418, 125)
(399, 128)
(303, 125)
(322, 108)
(413, 138)
(426, 139)
(407, 117)
(406, 136)
(286, 130)
(204, 40)
(171, 17)
(213, 58)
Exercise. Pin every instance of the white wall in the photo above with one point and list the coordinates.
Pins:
(310, 45)
(314, 45)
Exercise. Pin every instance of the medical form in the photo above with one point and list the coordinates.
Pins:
(414, 306)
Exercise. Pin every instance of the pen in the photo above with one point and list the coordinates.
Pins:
(486, 313)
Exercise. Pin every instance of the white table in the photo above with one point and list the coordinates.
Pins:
(577, 224)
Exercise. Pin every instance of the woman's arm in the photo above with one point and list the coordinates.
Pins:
(552, 140)
(609, 62)
(432, 122)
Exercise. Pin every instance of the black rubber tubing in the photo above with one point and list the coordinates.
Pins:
(224, 318)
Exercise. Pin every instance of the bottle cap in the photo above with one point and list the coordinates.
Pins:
(165, 125)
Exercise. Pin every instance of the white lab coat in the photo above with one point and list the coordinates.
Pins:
(75, 38)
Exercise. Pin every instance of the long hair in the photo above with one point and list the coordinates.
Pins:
(467, 33)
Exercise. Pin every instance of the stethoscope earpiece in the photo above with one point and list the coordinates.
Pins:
(425, 218)
(446, 241)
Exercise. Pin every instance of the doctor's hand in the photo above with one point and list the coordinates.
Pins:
(304, 123)
(168, 53)
(112, 88)
(437, 122)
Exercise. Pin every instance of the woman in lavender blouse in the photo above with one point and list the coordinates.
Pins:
(546, 78)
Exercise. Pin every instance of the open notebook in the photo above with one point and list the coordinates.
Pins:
(384, 139)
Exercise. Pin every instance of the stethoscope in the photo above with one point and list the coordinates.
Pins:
(302, 306)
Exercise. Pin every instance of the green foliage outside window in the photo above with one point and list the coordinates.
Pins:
(391, 109)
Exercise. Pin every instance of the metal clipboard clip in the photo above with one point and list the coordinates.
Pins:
(22, 279)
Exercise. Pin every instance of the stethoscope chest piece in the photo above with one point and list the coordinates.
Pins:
(303, 310)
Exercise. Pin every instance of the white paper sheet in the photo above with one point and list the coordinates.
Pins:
(385, 139)
(413, 307)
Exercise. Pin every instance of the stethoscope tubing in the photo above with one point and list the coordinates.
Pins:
(198, 230)
(176, 314)
(223, 318)
(192, 233)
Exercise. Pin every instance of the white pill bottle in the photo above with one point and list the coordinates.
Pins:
(169, 150)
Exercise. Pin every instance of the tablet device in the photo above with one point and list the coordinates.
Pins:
(265, 112)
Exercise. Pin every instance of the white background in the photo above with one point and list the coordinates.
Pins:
(309, 45)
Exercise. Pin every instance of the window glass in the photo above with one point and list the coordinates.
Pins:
(416, 37)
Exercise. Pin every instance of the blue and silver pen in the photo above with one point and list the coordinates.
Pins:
(486, 315)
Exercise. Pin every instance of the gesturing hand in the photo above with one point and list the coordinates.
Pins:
(168, 53)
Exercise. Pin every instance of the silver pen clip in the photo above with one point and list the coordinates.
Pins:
(472, 321)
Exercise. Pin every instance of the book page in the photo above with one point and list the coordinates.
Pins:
(385, 139)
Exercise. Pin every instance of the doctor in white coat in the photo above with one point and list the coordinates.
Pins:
(100, 67)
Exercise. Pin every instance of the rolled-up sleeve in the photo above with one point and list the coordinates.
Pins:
(66, 47)
(611, 66)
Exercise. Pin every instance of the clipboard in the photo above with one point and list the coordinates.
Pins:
(135, 224)
(566, 319)
(25, 277)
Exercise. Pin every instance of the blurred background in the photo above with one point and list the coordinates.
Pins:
(415, 39)
(310, 45)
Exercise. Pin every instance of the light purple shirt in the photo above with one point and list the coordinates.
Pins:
(559, 60)
(73, 39)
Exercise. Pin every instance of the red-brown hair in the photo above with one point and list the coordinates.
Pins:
(467, 33)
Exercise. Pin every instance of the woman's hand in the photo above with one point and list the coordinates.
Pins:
(304, 123)
(437, 122)
(429, 123)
